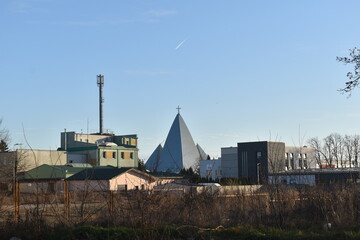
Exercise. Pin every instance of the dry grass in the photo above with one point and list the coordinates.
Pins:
(279, 206)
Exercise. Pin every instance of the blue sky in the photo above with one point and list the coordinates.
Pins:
(240, 70)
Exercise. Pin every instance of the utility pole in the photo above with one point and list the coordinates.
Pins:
(16, 187)
(100, 83)
(258, 173)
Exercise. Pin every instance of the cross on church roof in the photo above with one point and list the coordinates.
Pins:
(178, 108)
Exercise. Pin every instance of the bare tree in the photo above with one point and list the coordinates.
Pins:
(337, 148)
(353, 77)
(4, 138)
(356, 144)
(315, 143)
(349, 148)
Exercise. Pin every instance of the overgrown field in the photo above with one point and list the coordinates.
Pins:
(274, 212)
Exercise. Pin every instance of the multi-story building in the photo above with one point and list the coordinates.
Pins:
(256, 161)
(100, 149)
(300, 158)
(259, 159)
(229, 162)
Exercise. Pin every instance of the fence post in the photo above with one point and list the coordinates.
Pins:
(66, 200)
(111, 202)
(16, 192)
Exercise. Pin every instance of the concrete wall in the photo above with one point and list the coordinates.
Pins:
(230, 190)
(293, 179)
(229, 162)
(41, 187)
(84, 156)
(29, 159)
(275, 157)
(89, 185)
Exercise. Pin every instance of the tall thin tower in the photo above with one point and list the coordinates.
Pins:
(100, 83)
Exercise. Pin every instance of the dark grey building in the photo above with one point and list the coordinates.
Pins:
(256, 160)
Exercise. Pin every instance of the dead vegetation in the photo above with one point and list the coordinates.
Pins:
(280, 206)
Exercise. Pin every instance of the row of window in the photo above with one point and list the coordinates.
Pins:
(291, 155)
(290, 161)
(112, 155)
(124, 187)
(209, 173)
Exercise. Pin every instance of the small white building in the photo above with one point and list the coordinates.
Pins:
(211, 169)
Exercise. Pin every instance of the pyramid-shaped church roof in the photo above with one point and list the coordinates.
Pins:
(179, 150)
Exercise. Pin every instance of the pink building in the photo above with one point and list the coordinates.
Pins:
(111, 179)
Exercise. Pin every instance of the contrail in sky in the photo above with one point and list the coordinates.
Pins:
(179, 45)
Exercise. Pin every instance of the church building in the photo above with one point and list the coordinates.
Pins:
(178, 152)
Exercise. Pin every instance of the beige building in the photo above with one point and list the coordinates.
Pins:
(100, 149)
(300, 158)
(111, 179)
(23, 160)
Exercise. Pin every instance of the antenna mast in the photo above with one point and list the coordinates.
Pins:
(100, 83)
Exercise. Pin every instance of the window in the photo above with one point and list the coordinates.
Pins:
(122, 187)
(258, 155)
(136, 188)
(132, 155)
(107, 154)
(142, 187)
(292, 162)
(305, 163)
(114, 155)
(208, 173)
(122, 155)
(218, 172)
(287, 162)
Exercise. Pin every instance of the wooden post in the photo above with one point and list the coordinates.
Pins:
(16, 190)
(66, 200)
(111, 202)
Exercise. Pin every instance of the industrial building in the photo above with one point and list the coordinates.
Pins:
(255, 161)
(100, 149)
(274, 163)
(21, 160)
